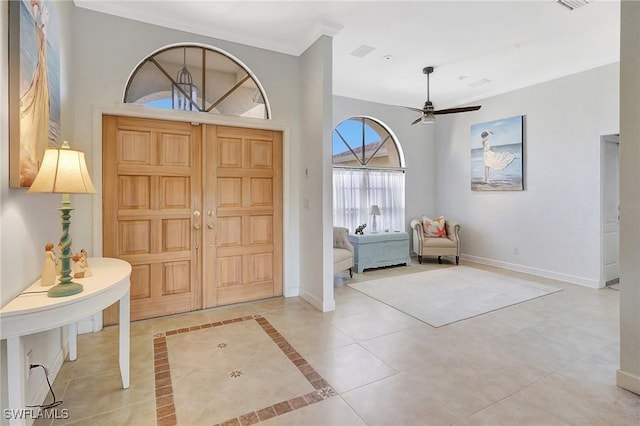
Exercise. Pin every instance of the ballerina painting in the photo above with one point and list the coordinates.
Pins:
(34, 23)
(496, 155)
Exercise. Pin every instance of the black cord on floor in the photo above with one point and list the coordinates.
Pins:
(46, 376)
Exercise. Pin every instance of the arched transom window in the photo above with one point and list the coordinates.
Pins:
(365, 142)
(367, 171)
(197, 78)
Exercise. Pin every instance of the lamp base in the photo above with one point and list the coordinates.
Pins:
(68, 289)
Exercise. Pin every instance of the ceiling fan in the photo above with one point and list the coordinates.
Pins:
(429, 112)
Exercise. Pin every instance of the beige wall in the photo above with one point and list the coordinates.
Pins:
(29, 221)
(628, 375)
(316, 248)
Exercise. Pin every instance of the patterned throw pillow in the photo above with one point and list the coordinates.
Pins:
(434, 228)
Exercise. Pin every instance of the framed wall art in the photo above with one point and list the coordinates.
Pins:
(34, 86)
(497, 149)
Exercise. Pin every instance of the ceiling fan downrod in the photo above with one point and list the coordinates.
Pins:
(427, 71)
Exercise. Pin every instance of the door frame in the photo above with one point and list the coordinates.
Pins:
(290, 197)
(604, 140)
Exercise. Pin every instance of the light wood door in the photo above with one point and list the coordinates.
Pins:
(242, 215)
(151, 193)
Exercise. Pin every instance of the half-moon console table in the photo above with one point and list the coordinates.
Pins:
(33, 311)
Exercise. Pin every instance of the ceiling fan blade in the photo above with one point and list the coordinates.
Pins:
(454, 110)
(417, 120)
(413, 109)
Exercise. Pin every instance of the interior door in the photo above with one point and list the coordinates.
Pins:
(243, 215)
(151, 199)
(611, 186)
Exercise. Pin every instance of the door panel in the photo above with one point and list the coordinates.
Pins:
(243, 247)
(158, 209)
(611, 186)
(149, 169)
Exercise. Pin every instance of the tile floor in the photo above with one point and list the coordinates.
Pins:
(548, 361)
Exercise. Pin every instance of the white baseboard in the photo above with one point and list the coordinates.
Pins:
(85, 326)
(292, 292)
(573, 279)
(628, 381)
(329, 306)
(43, 390)
(90, 324)
(317, 303)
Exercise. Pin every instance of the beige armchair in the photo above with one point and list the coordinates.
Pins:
(424, 246)
(342, 251)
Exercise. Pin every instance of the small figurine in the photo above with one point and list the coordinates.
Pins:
(76, 267)
(80, 268)
(84, 263)
(360, 229)
(84, 255)
(48, 276)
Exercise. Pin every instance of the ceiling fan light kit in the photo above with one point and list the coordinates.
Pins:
(428, 118)
(428, 112)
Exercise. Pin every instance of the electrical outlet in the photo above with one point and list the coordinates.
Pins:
(29, 361)
(516, 251)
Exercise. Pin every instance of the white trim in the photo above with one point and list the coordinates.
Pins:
(143, 13)
(603, 144)
(604, 140)
(573, 279)
(395, 139)
(628, 381)
(323, 306)
(323, 28)
(203, 46)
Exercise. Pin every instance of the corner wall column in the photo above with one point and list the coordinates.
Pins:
(628, 376)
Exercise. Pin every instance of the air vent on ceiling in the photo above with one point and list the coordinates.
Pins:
(573, 4)
(362, 51)
(480, 82)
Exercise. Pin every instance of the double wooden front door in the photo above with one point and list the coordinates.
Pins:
(195, 209)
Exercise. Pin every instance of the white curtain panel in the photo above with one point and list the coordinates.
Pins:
(356, 190)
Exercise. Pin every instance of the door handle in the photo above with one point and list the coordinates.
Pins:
(210, 225)
(196, 226)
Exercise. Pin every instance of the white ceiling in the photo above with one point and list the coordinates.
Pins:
(512, 44)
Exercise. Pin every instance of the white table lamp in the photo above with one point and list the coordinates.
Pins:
(375, 211)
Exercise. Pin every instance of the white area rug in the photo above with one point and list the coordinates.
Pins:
(448, 295)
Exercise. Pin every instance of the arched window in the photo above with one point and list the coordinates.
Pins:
(368, 170)
(197, 78)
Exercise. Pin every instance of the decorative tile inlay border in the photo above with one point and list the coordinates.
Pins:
(165, 407)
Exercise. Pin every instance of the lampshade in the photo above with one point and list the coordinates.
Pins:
(63, 170)
(374, 210)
